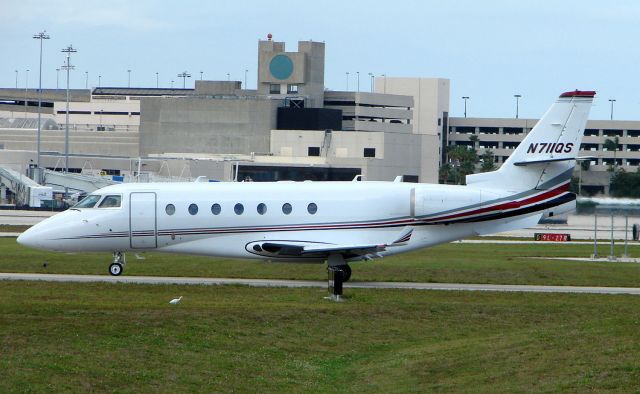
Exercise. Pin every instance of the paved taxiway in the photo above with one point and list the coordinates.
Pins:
(317, 284)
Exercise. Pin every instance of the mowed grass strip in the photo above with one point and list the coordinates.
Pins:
(120, 337)
(449, 263)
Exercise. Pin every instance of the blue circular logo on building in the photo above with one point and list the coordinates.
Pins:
(281, 66)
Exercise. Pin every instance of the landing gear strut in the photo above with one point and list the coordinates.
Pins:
(338, 271)
(117, 266)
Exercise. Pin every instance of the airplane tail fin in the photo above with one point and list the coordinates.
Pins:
(546, 157)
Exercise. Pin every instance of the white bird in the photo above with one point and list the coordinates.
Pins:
(175, 301)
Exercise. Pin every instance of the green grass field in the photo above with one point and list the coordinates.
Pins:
(455, 262)
(126, 338)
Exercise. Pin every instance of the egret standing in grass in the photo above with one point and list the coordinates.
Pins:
(175, 301)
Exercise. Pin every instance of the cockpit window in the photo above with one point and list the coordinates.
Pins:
(88, 202)
(110, 202)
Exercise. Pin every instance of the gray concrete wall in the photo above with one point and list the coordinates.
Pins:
(113, 143)
(198, 125)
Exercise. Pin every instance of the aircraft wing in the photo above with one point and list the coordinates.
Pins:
(296, 249)
(315, 249)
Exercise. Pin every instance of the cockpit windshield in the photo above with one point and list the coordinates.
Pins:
(88, 202)
(110, 202)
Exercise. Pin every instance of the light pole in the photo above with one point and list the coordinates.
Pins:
(86, 79)
(26, 87)
(184, 75)
(347, 80)
(371, 76)
(99, 80)
(68, 50)
(610, 100)
(384, 83)
(172, 84)
(128, 78)
(245, 78)
(201, 72)
(16, 79)
(228, 77)
(57, 78)
(465, 98)
(358, 74)
(517, 96)
(40, 36)
(157, 81)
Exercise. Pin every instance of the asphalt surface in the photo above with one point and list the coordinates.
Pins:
(317, 284)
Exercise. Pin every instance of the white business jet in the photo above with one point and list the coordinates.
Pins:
(336, 222)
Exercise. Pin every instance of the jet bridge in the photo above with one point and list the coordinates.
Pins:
(26, 191)
(73, 183)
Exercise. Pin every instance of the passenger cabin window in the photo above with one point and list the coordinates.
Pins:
(170, 209)
(238, 209)
(193, 209)
(88, 202)
(262, 208)
(216, 209)
(312, 208)
(286, 208)
(110, 202)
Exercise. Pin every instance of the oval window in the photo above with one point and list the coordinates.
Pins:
(193, 209)
(238, 209)
(286, 208)
(312, 208)
(170, 209)
(216, 209)
(262, 208)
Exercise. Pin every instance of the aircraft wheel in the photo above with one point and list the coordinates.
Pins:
(346, 272)
(115, 269)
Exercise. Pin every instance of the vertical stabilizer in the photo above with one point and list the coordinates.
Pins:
(546, 157)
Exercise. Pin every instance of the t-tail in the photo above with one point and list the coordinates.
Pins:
(545, 159)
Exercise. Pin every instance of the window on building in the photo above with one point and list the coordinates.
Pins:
(465, 130)
(274, 88)
(512, 130)
(170, 209)
(488, 130)
(369, 152)
(286, 208)
(193, 209)
(314, 151)
(216, 209)
(612, 133)
(510, 145)
(633, 133)
(292, 88)
(591, 132)
(238, 209)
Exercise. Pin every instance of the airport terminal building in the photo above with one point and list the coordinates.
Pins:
(289, 128)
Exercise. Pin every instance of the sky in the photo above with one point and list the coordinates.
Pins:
(490, 50)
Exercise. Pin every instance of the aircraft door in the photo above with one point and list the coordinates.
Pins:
(142, 220)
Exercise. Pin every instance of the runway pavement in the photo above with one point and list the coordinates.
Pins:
(318, 284)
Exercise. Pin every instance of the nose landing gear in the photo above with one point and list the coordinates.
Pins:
(117, 266)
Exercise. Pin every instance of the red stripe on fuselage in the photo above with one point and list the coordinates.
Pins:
(507, 205)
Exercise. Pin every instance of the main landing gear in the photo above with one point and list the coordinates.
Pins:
(338, 272)
(117, 266)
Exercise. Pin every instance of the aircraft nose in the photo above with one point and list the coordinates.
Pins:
(28, 238)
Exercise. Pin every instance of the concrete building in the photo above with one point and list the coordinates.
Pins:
(289, 128)
(502, 136)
